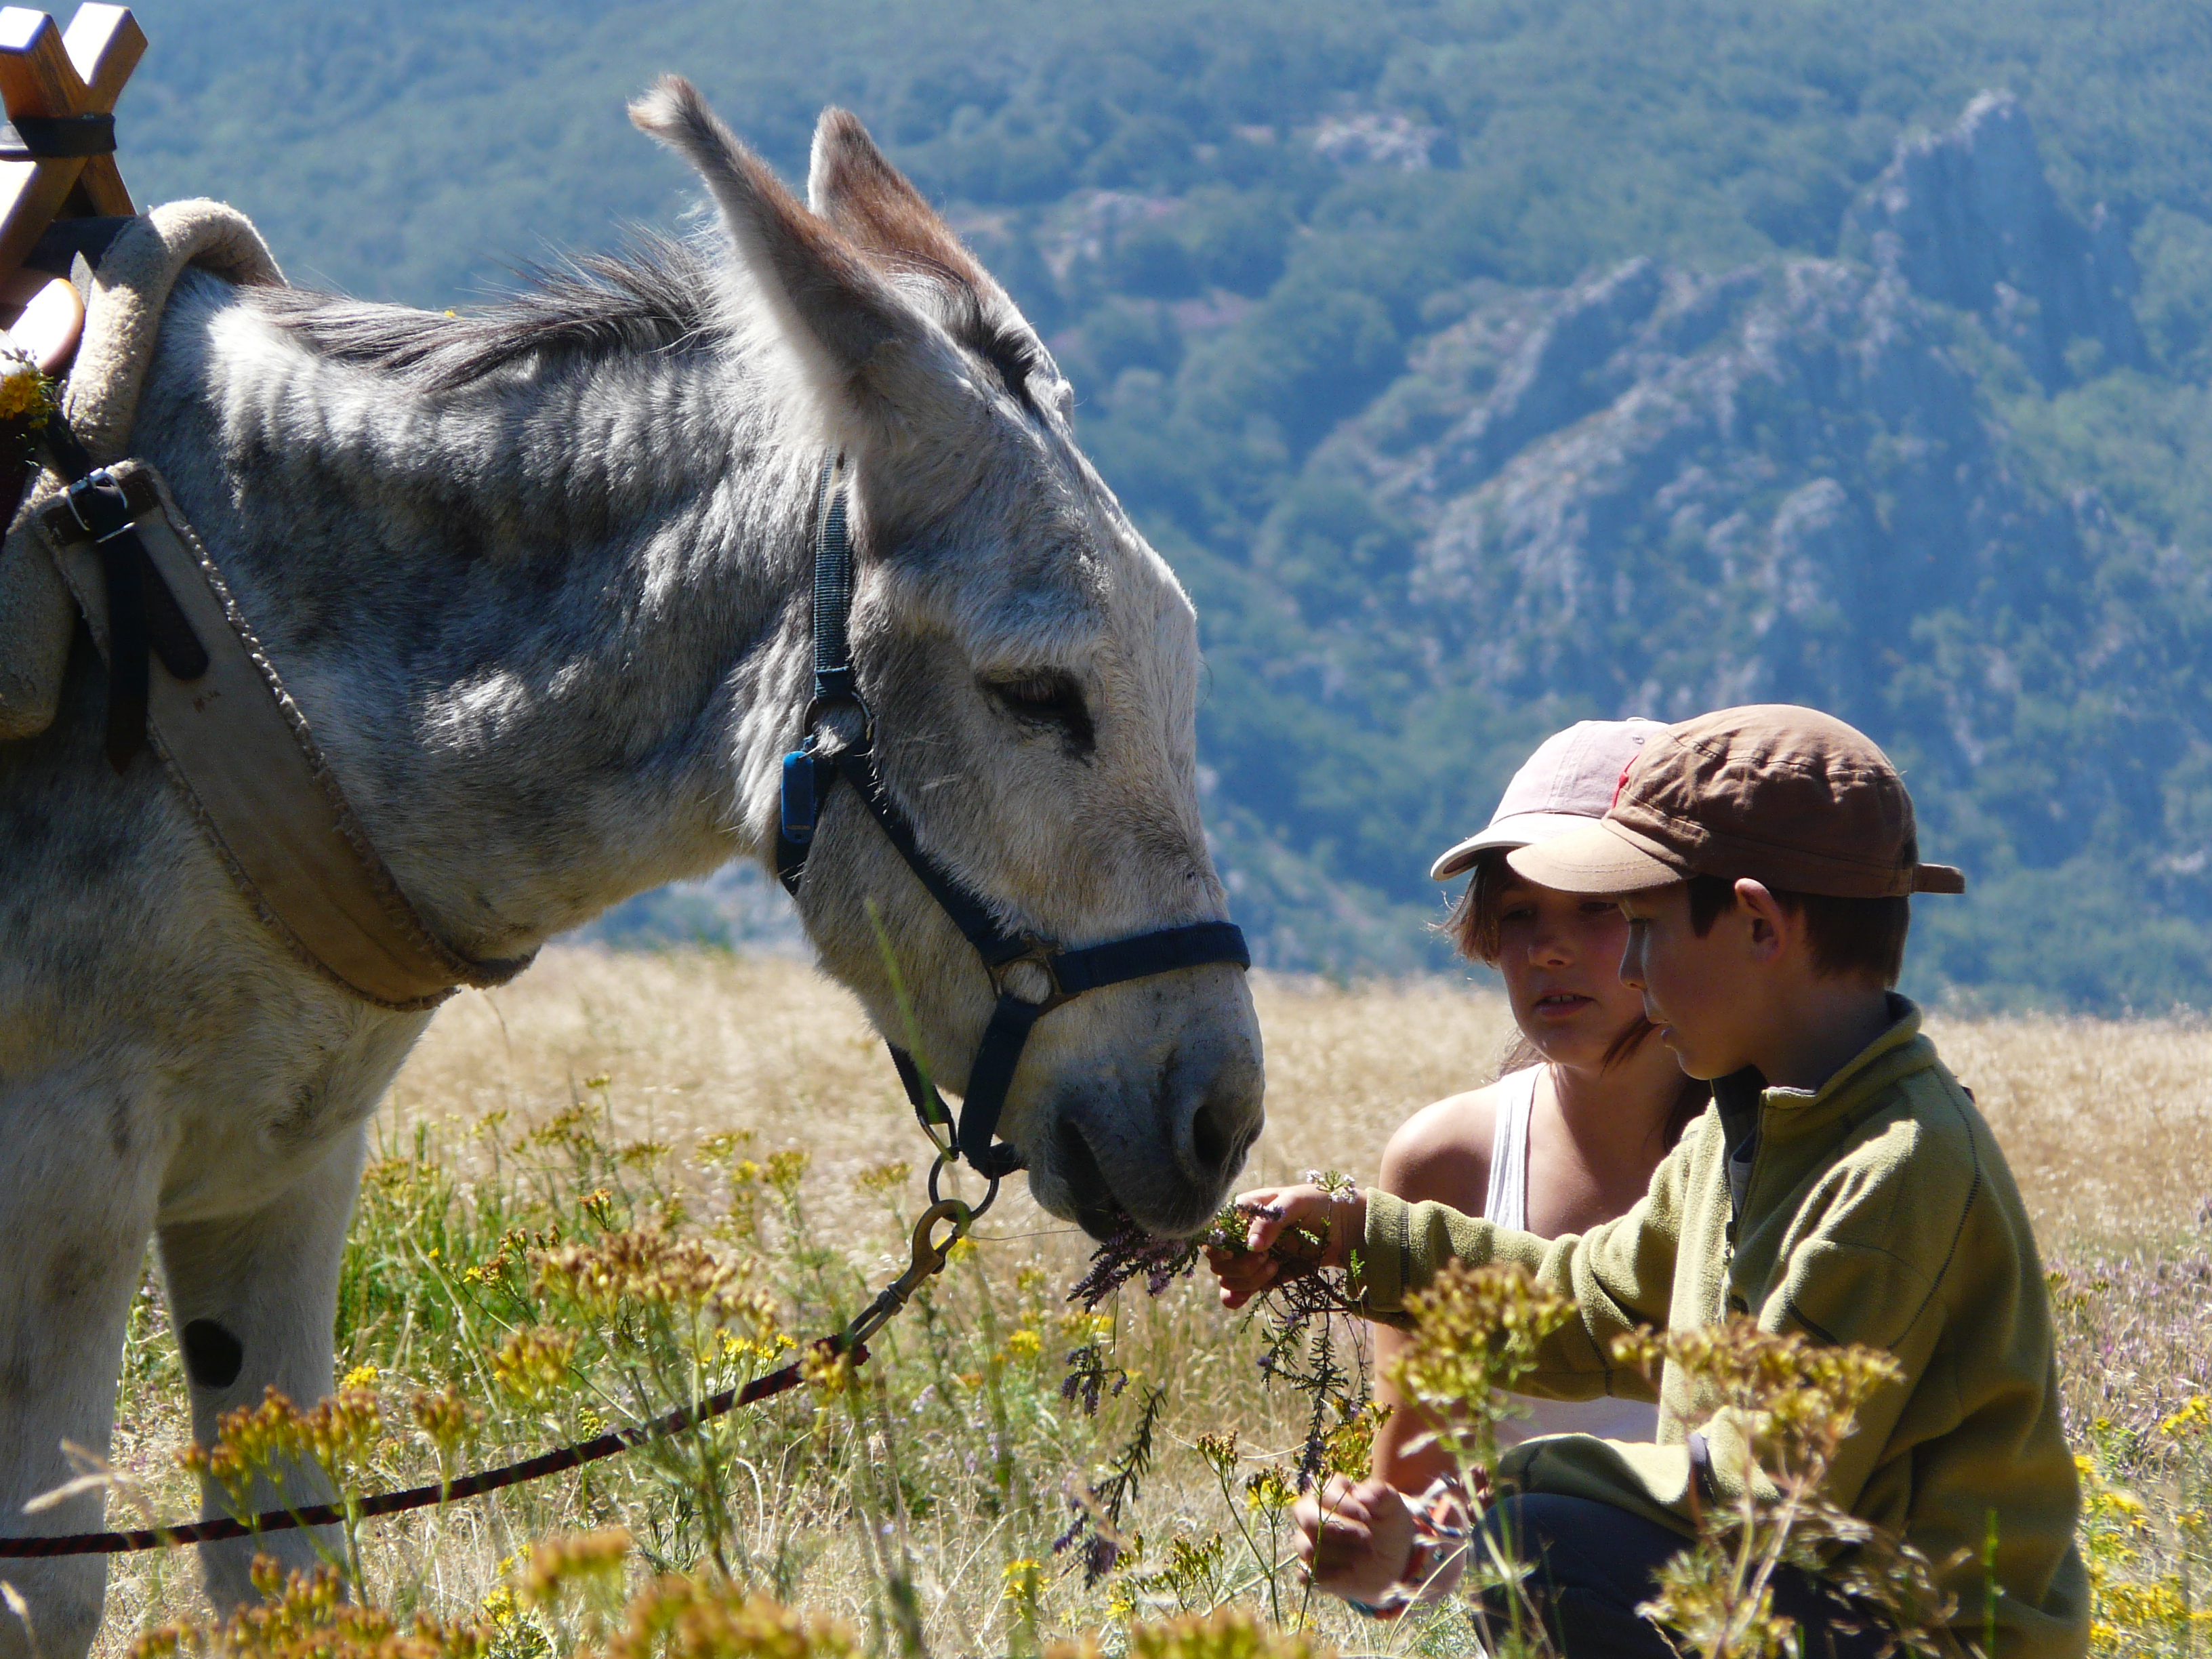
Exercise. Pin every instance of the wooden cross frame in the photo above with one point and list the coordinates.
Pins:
(47, 77)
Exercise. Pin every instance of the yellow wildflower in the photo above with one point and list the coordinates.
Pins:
(23, 389)
(2195, 1412)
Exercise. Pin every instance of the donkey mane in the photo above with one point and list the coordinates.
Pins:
(661, 295)
(658, 297)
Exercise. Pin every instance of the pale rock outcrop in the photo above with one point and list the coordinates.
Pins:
(1968, 218)
(1658, 490)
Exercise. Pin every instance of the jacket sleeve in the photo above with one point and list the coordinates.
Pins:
(1621, 1274)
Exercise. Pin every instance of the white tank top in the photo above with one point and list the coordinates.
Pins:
(1507, 1204)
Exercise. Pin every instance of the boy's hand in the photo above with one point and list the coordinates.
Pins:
(1340, 1218)
(1355, 1541)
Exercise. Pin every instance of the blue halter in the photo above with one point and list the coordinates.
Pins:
(809, 774)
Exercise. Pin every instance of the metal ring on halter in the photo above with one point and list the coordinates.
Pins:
(1041, 954)
(818, 706)
(990, 1193)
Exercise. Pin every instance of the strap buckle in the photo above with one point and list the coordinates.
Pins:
(798, 801)
(98, 504)
(1044, 955)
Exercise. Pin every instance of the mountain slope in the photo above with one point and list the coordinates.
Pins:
(1794, 482)
(1480, 365)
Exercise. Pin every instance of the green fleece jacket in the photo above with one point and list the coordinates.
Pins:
(1877, 1211)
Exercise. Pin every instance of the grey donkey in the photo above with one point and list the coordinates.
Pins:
(540, 577)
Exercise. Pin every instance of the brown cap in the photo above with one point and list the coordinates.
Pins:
(1783, 795)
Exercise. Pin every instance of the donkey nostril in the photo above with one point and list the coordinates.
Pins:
(1211, 1139)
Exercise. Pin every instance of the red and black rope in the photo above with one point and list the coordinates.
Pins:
(422, 1497)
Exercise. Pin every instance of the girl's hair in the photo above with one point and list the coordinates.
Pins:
(1476, 927)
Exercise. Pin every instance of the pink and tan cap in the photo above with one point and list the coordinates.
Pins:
(1783, 795)
(1568, 783)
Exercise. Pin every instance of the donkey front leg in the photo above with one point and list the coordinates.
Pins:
(254, 1298)
(79, 1178)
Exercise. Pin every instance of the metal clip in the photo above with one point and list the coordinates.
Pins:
(929, 1260)
(1044, 953)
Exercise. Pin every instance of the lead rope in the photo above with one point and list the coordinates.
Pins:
(928, 1261)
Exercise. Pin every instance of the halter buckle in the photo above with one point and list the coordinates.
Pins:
(799, 800)
(1045, 954)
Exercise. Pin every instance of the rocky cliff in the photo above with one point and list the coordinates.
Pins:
(1967, 218)
(1660, 490)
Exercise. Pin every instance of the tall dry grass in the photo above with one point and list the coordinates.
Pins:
(2109, 1128)
(2107, 1124)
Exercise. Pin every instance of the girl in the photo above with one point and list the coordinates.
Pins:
(1589, 1102)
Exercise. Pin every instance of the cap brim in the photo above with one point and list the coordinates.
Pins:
(1518, 830)
(1593, 858)
(1938, 878)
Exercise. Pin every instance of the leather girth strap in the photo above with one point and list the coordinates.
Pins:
(186, 672)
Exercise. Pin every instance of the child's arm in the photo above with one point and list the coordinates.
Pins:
(1621, 1274)
(1340, 1218)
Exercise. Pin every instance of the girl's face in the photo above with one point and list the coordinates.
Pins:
(1560, 954)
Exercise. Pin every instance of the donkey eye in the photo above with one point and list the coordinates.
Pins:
(1045, 698)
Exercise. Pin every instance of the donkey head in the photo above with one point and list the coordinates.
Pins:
(1032, 668)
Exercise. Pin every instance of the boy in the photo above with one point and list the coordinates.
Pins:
(1842, 1185)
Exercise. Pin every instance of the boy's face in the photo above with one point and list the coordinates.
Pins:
(1708, 995)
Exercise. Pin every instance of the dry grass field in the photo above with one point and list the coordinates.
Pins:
(921, 1505)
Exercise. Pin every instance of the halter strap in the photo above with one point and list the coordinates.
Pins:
(833, 591)
(809, 774)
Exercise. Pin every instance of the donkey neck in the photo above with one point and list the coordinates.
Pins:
(544, 626)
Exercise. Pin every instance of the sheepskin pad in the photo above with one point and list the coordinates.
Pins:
(123, 318)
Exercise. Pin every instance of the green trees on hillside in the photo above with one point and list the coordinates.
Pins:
(1241, 225)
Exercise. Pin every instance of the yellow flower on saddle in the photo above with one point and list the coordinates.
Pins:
(26, 395)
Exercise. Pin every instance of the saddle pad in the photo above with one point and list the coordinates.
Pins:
(122, 323)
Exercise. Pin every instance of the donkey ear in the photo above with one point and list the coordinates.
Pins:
(853, 185)
(854, 342)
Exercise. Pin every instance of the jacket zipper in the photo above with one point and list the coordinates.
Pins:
(1730, 1301)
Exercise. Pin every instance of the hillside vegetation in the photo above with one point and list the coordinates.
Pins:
(1479, 366)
